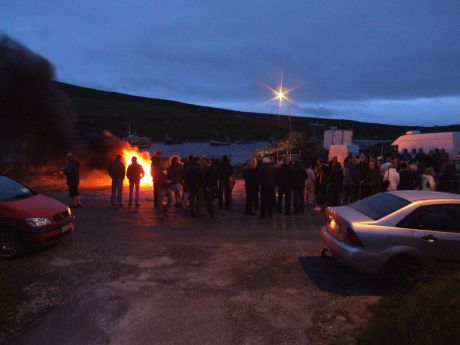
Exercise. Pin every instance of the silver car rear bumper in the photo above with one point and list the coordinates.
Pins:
(354, 257)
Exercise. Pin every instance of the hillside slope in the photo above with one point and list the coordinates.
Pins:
(98, 110)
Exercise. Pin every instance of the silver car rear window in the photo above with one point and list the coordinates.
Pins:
(379, 205)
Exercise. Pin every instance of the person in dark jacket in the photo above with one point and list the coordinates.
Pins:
(373, 181)
(448, 180)
(406, 177)
(298, 188)
(175, 173)
(225, 187)
(321, 172)
(211, 176)
(350, 181)
(154, 168)
(194, 178)
(284, 181)
(251, 185)
(334, 182)
(117, 173)
(134, 174)
(267, 180)
(163, 185)
(72, 173)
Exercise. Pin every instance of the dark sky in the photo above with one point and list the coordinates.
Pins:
(394, 61)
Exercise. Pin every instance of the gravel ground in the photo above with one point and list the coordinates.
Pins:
(126, 277)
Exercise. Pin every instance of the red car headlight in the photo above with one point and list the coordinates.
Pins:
(37, 222)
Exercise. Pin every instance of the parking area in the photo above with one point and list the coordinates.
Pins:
(126, 277)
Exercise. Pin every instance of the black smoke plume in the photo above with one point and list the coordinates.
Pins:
(36, 123)
(101, 149)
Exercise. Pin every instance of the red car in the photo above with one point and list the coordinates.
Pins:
(29, 219)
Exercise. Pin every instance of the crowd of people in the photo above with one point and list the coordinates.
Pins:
(193, 184)
(283, 186)
(337, 184)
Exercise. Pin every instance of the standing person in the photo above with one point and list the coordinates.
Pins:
(195, 181)
(163, 188)
(185, 185)
(373, 180)
(72, 173)
(363, 169)
(428, 182)
(225, 187)
(310, 186)
(251, 186)
(322, 171)
(448, 180)
(117, 173)
(284, 181)
(175, 173)
(334, 182)
(406, 177)
(350, 181)
(392, 177)
(210, 184)
(267, 180)
(154, 169)
(298, 188)
(134, 174)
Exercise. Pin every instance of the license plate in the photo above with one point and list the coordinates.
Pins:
(66, 228)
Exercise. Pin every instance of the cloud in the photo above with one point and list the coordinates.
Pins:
(210, 52)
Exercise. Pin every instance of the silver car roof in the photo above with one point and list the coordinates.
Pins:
(417, 195)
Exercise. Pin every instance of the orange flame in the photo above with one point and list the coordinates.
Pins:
(143, 158)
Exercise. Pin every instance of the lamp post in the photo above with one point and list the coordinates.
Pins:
(282, 94)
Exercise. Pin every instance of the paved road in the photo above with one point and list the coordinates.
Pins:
(126, 277)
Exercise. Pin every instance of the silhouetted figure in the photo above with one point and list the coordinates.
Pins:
(155, 167)
(211, 176)
(267, 180)
(350, 181)
(134, 174)
(251, 186)
(163, 188)
(72, 173)
(373, 181)
(406, 178)
(117, 173)
(225, 187)
(334, 182)
(194, 177)
(447, 180)
(298, 188)
(284, 181)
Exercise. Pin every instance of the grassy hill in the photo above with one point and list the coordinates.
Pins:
(98, 110)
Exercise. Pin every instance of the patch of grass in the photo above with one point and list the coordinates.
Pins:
(428, 315)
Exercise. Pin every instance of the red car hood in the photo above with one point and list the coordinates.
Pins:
(35, 206)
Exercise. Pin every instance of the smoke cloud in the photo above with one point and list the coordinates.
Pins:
(36, 122)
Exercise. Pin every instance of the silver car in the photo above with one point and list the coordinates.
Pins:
(394, 230)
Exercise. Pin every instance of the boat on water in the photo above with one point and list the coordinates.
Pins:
(133, 139)
(221, 142)
(168, 140)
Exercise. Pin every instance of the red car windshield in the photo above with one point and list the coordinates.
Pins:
(11, 190)
(379, 205)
